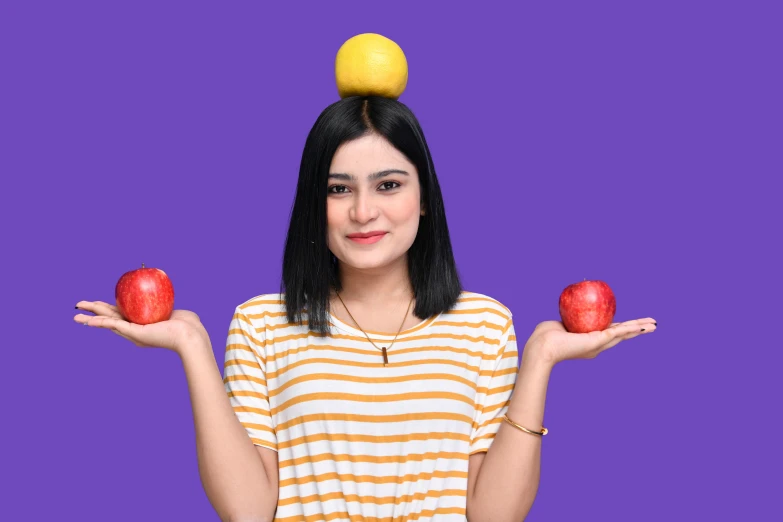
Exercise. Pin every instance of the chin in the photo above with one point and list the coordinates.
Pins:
(365, 262)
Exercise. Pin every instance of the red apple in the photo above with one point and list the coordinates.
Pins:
(145, 295)
(587, 307)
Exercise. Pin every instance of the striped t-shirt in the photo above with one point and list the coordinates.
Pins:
(357, 440)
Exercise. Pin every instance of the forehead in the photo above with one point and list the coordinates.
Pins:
(369, 154)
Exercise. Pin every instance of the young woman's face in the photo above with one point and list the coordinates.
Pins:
(373, 188)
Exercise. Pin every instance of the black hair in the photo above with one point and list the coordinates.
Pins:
(310, 270)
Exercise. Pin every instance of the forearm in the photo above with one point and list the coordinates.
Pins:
(231, 469)
(509, 475)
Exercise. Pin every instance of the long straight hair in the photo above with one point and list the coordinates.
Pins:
(310, 270)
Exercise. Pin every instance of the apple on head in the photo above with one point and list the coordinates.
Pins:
(145, 295)
(587, 306)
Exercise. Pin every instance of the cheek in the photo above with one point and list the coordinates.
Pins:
(407, 212)
(332, 218)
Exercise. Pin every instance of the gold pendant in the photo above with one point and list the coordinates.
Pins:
(385, 357)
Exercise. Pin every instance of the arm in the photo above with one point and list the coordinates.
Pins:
(504, 482)
(239, 479)
(505, 479)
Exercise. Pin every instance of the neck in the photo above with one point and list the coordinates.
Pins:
(378, 285)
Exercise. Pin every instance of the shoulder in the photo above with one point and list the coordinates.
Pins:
(263, 303)
(498, 326)
(258, 310)
(484, 305)
(266, 313)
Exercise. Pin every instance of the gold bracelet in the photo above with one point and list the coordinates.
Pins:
(541, 433)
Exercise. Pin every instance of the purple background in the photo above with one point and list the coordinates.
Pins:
(603, 140)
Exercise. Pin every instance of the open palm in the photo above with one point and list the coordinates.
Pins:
(183, 326)
(555, 343)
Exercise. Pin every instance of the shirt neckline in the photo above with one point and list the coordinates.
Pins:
(342, 325)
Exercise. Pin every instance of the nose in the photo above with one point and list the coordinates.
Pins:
(364, 208)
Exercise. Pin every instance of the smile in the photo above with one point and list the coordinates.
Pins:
(367, 240)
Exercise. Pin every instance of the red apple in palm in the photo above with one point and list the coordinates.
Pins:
(145, 295)
(587, 307)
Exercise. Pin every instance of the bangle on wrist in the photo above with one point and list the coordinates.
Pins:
(541, 433)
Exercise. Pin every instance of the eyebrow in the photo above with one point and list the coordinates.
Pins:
(371, 177)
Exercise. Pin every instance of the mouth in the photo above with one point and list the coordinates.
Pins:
(368, 238)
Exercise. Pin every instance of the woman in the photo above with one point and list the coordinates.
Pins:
(372, 386)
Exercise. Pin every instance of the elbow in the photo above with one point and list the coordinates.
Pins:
(247, 518)
(250, 514)
(517, 513)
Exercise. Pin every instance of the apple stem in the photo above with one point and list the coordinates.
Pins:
(142, 265)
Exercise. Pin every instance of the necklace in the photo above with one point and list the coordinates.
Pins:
(382, 349)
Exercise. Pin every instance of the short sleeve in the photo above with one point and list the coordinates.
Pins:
(244, 372)
(496, 384)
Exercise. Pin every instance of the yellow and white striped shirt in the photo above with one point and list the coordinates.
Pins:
(357, 440)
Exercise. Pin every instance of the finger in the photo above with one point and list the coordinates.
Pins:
(638, 322)
(99, 308)
(109, 306)
(637, 325)
(642, 323)
(82, 318)
(120, 326)
(625, 332)
(86, 320)
(620, 332)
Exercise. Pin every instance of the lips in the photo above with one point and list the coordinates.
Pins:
(367, 238)
(368, 234)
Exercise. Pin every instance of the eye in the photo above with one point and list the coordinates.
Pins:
(386, 184)
(336, 189)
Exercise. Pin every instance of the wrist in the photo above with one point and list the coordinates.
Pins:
(537, 356)
(193, 343)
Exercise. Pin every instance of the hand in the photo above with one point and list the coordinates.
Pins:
(551, 341)
(182, 328)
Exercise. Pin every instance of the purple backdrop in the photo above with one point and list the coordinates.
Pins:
(600, 140)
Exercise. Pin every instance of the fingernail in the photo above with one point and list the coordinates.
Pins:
(643, 329)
